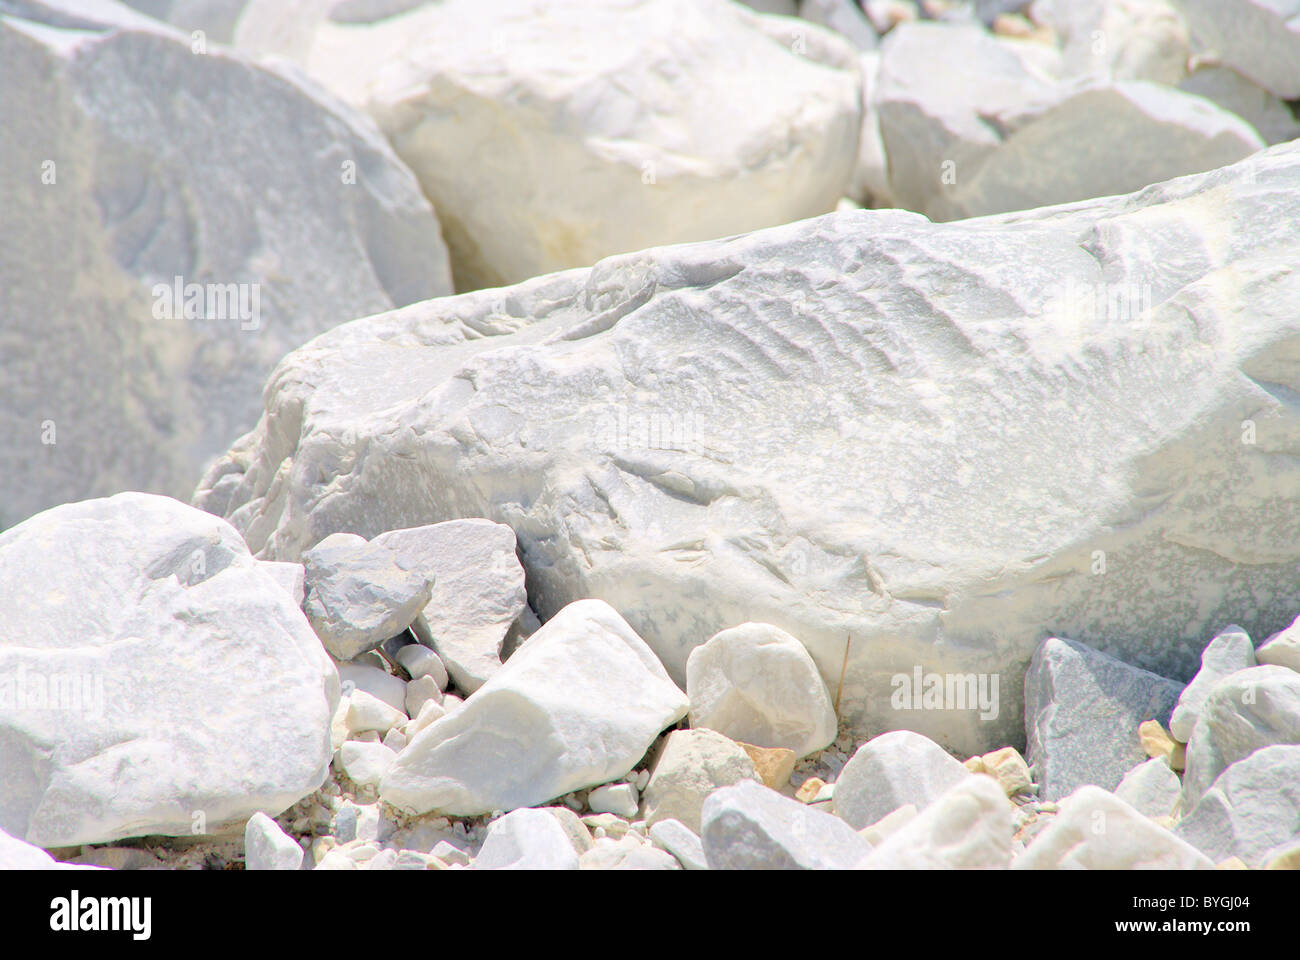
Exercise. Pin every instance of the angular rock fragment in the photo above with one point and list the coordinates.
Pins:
(1082, 713)
(576, 706)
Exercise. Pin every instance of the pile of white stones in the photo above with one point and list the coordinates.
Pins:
(364, 693)
(854, 539)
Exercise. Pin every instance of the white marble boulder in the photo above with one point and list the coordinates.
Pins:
(151, 161)
(920, 497)
(153, 679)
(971, 127)
(551, 135)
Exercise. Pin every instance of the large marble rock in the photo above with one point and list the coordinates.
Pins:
(891, 771)
(1082, 712)
(1095, 830)
(971, 128)
(1231, 650)
(153, 679)
(551, 135)
(1244, 712)
(132, 161)
(577, 705)
(863, 429)
(1252, 808)
(1258, 38)
(478, 592)
(749, 827)
(757, 684)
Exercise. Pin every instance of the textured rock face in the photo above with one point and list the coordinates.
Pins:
(478, 592)
(1251, 809)
(862, 426)
(551, 135)
(1259, 38)
(577, 705)
(1244, 712)
(971, 128)
(156, 680)
(1082, 712)
(151, 163)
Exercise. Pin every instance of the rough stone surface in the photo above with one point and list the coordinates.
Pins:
(526, 839)
(577, 705)
(757, 684)
(1151, 788)
(749, 827)
(969, 827)
(891, 770)
(478, 592)
(267, 847)
(690, 766)
(1082, 712)
(359, 594)
(149, 669)
(1259, 38)
(614, 105)
(1252, 808)
(654, 452)
(151, 162)
(973, 128)
(1096, 831)
(1227, 653)
(1244, 711)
